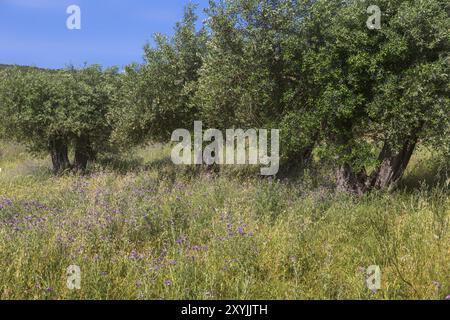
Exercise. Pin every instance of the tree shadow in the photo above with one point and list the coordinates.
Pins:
(427, 174)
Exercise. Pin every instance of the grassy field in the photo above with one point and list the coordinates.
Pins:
(159, 232)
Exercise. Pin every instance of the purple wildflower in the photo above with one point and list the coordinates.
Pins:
(4, 202)
(181, 240)
(168, 283)
(134, 255)
(154, 268)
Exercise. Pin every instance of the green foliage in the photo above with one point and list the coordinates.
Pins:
(384, 86)
(34, 106)
(359, 97)
(94, 94)
(142, 236)
(156, 97)
(68, 106)
(248, 77)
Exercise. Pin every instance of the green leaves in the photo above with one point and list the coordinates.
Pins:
(311, 68)
(39, 106)
(383, 84)
(156, 97)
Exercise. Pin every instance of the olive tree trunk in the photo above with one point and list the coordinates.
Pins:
(59, 155)
(348, 181)
(392, 166)
(83, 153)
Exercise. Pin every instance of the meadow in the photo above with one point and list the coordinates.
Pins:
(149, 230)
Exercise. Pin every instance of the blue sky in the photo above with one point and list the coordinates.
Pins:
(113, 32)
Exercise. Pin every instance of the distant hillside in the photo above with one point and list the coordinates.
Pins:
(5, 66)
(25, 68)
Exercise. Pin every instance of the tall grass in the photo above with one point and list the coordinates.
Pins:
(159, 232)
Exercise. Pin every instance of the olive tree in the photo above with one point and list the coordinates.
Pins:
(33, 111)
(251, 76)
(94, 95)
(379, 92)
(156, 97)
(54, 111)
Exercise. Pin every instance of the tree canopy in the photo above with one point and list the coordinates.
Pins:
(363, 98)
(54, 111)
